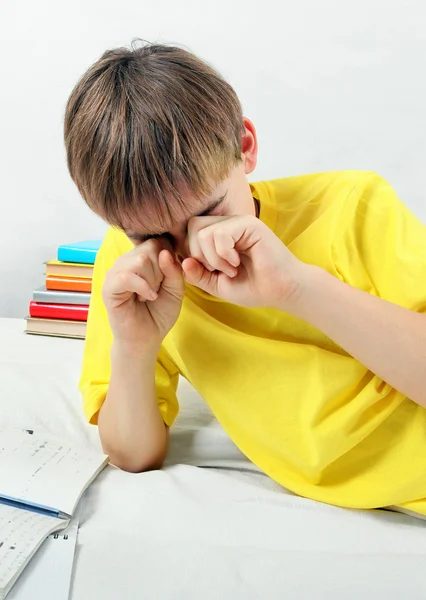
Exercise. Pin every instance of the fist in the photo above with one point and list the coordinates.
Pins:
(240, 260)
(143, 294)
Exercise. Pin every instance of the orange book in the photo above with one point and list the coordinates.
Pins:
(70, 284)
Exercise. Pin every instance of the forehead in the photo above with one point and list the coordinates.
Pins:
(160, 216)
(154, 219)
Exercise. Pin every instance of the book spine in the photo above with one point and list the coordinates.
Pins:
(67, 284)
(77, 255)
(72, 312)
(61, 297)
(77, 271)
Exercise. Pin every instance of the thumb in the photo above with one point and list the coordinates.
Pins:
(173, 277)
(196, 274)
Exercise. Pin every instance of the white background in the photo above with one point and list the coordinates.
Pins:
(330, 84)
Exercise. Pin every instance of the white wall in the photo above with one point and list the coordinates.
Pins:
(330, 84)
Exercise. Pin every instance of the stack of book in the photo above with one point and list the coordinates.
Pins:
(61, 306)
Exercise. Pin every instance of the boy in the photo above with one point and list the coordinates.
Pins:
(296, 307)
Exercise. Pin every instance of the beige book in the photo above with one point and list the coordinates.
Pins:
(56, 327)
(63, 269)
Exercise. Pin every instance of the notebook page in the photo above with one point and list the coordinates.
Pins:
(48, 574)
(38, 469)
(21, 533)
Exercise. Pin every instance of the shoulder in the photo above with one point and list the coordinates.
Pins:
(362, 203)
(373, 202)
(114, 244)
(343, 195)
(379, 245)
(313, 203)
(294, 192)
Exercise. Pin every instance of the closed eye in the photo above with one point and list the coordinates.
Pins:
(211, 211)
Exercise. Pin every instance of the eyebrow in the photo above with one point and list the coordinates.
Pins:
(144, 237)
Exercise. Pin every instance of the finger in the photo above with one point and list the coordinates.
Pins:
(143, 260)
(144, 266)
(157, 274)
(196, 252)
(225, 247)
(226, 230)
(126, 281)
(195, 225)
(196, 274)
(171, 273)
(208, 248)
(152, 248)
(201, 247)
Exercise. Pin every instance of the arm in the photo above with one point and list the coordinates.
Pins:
(388, 339)
(131, 428)
(128, 382)
(377, 246)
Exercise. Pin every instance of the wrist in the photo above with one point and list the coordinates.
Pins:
(125, 350)
(304, 293)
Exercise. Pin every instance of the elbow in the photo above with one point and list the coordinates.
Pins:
(134, 464)
(134, 453)
(136, 459)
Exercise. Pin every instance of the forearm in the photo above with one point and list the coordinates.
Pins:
(386, 338)
(131, 427)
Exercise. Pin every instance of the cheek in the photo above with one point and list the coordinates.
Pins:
(242, 205)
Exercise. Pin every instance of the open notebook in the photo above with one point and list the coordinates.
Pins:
(41, 482)
(48, 574)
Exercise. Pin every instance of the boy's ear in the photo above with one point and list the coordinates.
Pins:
(249, 146)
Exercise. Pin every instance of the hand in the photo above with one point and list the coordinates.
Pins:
(240, 260)
(143, 294)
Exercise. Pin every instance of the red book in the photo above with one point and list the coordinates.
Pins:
(73, 312)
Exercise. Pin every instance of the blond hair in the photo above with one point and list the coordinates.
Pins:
(145, 123)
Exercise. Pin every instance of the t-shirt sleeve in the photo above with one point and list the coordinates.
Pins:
(380, 246)
(96, 368)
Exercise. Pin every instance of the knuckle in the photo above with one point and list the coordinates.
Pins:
(142, 260)
(220, 236)
(123, 279)
(203, 235)
(152, 244)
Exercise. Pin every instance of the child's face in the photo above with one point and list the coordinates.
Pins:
(230, 197)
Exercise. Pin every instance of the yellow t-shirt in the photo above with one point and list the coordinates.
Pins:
(308, 414)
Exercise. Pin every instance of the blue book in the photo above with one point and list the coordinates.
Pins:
(79, 252)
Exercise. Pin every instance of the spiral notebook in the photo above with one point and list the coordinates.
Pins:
(48, 575)
(41, 482)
